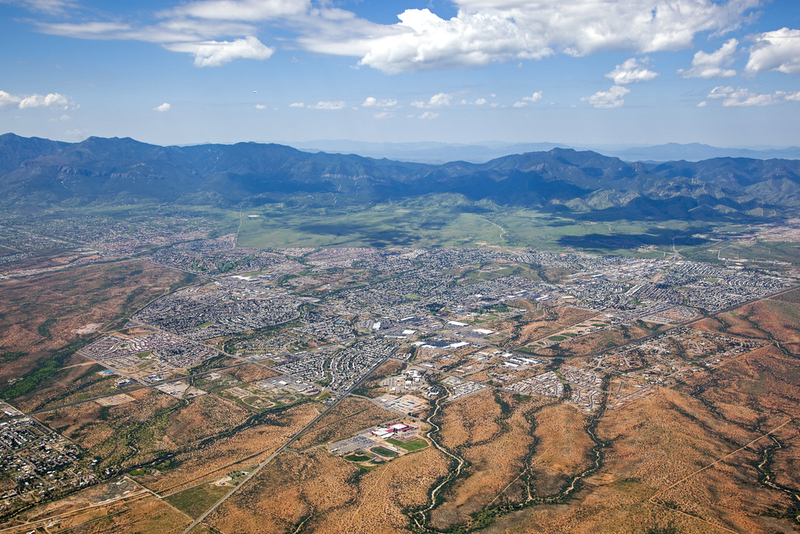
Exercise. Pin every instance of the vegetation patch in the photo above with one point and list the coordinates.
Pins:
(411, 446)
(195, 501)
(383, 451)
(357, 457)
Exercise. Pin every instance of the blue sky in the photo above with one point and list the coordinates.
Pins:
(582, 72)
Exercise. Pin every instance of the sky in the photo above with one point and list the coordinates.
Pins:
(578, 72)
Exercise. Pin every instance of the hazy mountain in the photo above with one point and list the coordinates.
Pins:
(584, 183)
(698, 152)
(438, 153)
(428, 152)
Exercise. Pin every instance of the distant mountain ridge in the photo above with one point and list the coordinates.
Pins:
(438, 153)
(584, 183)
(700, 152)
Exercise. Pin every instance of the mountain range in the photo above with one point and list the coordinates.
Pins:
(438, 153)
(583, 183)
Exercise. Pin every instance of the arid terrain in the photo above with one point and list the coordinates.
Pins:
(515, 416)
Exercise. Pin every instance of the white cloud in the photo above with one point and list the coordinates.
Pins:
(261, 106)
(613, 98)
(87, 30)
(50, 100)
(7, 99)
(383, 115)
(163, 107)
(297, 105)
(535, 97)
(480, 102)
(720, 91)
(702, 104)
(428, 115)
(631, 72)
(37, 101)
(777, 50)
(520, 104)
(482, 32)
(34, 100)
(249, 10)
(48, 6)
(436, 101)
(712, 65)
(166, 32)
(372, 102)
(743, 97)
(216, 53)
(77, 132)
(486, 31)
(338, 104)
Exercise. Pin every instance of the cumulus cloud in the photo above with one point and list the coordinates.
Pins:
(37, 101)
(777, 50)
(744, 97)
(437, 101)
(713, 65)
(631, 71)
(480, 102)
(428, 115)
(8, 99)
(261, 106)
(382, 115)
(297, 105)
(702, 104)
(535, 97)
(216, 53)
(372, 102)
(482, 32)
(163, 107)
(338, 104)
(486, 31)
(34, 101)
(613, 98)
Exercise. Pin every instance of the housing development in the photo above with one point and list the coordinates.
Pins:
(377, 341)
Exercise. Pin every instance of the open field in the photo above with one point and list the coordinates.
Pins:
(597, 341)
(450, 220)
(39, 313)
(344, 420)
(233, 448)
(563, 448)
(496, 461)
(538, 325)
(329, 495)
